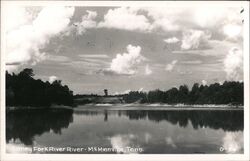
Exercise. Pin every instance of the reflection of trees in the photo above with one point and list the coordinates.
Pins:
(231, 120)
(228, 120)
(81, 112)
(25, 124)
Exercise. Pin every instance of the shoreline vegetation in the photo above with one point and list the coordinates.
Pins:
(25, 92)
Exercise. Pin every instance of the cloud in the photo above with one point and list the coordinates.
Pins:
(170, 66)
(57, 58)
(99, 56)
(216, 16)
(216, 48)
(25, 41)
(185, 72)
(204, 18)
(15, 19)
(193, 39)
(90, 65)
(191, 62)
(87, 22)
(125, 18)
(126, 63)
(172, 40)
(52, 78)
(233, 31)
(233, 64)
(124, 92)
(148, 71)
(165, 19)
(204, 82)
(150, 19)
(132, 19)
(96, 60)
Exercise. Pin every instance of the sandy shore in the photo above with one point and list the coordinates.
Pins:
(155, 107)
(134, 107)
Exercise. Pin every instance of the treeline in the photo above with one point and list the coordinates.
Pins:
(226, 93)
(23, 90)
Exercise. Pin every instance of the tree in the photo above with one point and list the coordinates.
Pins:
(227, 93)
(105, 92)
(23, 90)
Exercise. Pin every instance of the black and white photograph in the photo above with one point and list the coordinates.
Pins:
(125, 78)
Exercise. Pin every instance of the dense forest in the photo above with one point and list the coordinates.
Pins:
(226, 93)
(23, 90)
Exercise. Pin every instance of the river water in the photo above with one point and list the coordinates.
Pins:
(107, 130)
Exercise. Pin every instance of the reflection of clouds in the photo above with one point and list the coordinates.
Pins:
(233, 142)
(17, 147)
(169, 141)
(147, 137)
(121, 142)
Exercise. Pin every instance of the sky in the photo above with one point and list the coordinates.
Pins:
(126, 48)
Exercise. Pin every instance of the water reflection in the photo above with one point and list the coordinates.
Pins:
(121, 142)
(168, 132)
(25, 124)
(231, 120)
(232, 142)
(227, 120)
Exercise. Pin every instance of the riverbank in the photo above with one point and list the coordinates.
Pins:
(155, 107)
(11, 108)
(137, 106)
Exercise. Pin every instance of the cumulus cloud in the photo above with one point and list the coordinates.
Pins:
(172, 40)
(129, 90)
(164, 19)
(15, 19)
(171, 66)
(204, 82)
(149, 19)
(148, 71)
(192, 39)
(233, 64)
(216, 16)
(25, 40)
(52, 78)
(126, 18)
(126, 63)
(205, 18)
(124, 92)
(88, 21)
(233, 31)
